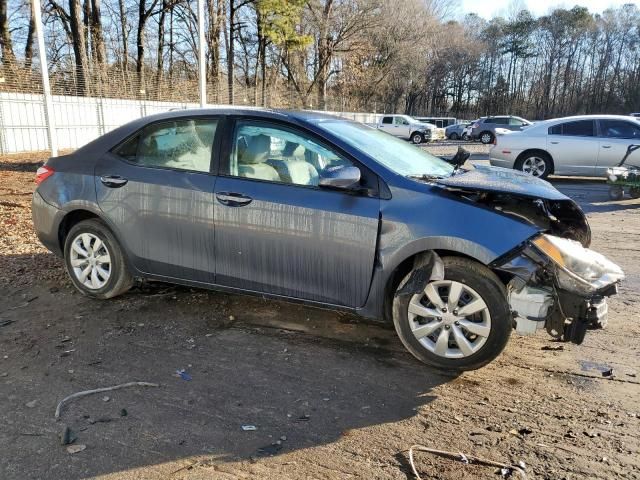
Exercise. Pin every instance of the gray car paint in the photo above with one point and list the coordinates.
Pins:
(417, 217)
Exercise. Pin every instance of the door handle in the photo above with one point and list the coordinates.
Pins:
(606, 146)
(113, 181)
(232, 199)
(554, 143)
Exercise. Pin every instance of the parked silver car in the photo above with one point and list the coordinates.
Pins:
(484, 129)
(582, 145)
(456, 132)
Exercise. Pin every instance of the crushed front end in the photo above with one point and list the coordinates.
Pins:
(559, 285)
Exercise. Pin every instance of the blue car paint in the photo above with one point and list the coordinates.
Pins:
(352, 274)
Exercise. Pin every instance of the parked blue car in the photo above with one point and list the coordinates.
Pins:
(312, 208)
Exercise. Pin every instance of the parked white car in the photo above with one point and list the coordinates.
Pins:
(583, 145)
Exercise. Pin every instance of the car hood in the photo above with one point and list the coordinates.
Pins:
(502, 180)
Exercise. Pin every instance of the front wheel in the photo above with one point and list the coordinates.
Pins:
(417, 138)
(460, 323)
(634, 192)
(616, 192)
(453, 136)
(95, 262)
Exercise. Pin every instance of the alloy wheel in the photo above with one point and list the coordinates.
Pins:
(449, 319)
(486, 138)
(535, 166)
(90, 261)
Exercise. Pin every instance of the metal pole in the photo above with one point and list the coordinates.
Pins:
(202, 74)
(46, 88)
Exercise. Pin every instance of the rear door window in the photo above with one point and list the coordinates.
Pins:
(619, 129)
(387, 120)
(184, 144)
(580, 128)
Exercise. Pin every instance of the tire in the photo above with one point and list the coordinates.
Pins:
(634, 192)
(486, 137)
(417, 138)
(538, 164)
(454, 136)
(616, 192)
(476, 282)
(108, 275)
(465, 137)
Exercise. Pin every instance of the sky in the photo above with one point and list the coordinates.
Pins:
(490, 9)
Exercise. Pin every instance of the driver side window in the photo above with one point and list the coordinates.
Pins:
(270, 152)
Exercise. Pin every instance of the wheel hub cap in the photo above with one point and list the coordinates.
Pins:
(534, 166)
(90, 260)
(449, 319)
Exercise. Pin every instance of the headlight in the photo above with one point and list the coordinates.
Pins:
(581, 270)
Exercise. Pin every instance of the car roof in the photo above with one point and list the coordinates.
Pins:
(554, 121)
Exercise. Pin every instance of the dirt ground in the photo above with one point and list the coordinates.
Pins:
(330, 396)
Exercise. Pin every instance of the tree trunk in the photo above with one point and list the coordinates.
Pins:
(216, 18)
(97, 38)
(160, 52)
(324, 54)
(31, 35)
(142, 20)
(231, 53)
(79, 46)
(125, 36)
(6, 43)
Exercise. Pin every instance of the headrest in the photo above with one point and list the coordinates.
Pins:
(257, 151)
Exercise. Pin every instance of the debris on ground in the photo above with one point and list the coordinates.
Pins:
(249, 428)
(67, 437)
(182, 373)
(270, 450)
(608, 373)
(464, 458)
(99, 390)
(76, 448)
(31, 404)
(553, 348)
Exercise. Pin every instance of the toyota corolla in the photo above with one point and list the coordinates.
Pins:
(312, 208)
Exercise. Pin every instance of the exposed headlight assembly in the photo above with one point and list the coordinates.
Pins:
(580, 270)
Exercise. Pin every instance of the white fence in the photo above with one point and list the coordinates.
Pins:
(78, 120)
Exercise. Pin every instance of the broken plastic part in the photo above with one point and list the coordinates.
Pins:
(531, 306)
(427, 267)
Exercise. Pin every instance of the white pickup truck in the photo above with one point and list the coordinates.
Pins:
(407, 127)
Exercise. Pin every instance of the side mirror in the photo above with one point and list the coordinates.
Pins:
(340, 177)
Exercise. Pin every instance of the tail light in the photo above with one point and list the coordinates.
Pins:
(475, 125)
(43, 173)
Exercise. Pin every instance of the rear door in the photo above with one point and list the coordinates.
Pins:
(156, 190)
(386, 124)
(614, 138)
(278, 232)
(574, 147)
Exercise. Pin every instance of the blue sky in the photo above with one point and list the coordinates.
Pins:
(489, 9)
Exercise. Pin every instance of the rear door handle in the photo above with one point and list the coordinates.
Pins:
(113, 181)
(233, 199)
(606, 146)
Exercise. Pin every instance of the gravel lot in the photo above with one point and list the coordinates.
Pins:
(330, 396)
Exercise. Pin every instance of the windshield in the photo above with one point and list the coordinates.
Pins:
(397, 155)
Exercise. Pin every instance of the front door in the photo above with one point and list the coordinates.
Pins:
(278, 232)
(615, 136)
(156, 191)
(401, 127)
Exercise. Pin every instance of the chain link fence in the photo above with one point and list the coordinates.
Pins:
(86, 103)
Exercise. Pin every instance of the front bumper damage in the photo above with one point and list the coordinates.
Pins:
(538, 301)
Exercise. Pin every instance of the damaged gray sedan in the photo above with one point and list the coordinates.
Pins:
(307, 207)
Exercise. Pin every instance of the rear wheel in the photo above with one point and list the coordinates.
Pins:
(454, 136)
(537, 164)
(616, 192)
(486, 137)
(94, 261)
(417, 138)
(460, 323)
(634, 192)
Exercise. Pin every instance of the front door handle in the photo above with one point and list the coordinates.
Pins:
(606, 146)
(113, 181)
(232, 199)
(555, 143)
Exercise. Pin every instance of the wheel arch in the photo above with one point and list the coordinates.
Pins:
(539, 151)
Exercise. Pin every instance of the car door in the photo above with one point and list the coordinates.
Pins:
(156, 190)
(401, 127)
(516, 124)
(614, 137)
(278, 232)
(574, 147)
(386, 124)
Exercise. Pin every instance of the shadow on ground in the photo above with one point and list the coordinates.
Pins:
(309, 387)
